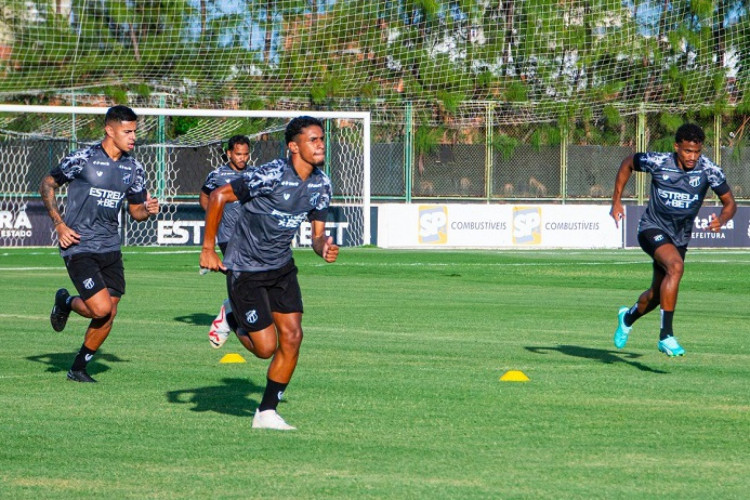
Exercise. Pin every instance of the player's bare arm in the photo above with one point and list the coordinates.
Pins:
(203, 200)
(623, 175)
(729, 208)
(322, 244)
(219, 197)
(65, 235)
(143, 211)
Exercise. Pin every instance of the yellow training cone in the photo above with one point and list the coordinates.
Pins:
(514, 376)
(232, 358)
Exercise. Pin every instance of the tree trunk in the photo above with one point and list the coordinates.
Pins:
(509, 16)
(269, 32)
(203, 17)
(134, 40)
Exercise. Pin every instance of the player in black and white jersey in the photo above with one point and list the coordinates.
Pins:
(238, 155)
(99, 178)
(261, 276)
(679, 183)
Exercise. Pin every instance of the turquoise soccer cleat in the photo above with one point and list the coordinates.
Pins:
(622, 332)
(670, 347)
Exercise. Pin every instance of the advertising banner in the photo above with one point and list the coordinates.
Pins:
(496, 226)
(734, 234)
(441, 226)
(186, 228)
(30, 225)
(25, 225)
(567, 226)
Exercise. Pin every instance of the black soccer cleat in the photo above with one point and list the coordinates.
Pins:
(79, 376)
(60, 311)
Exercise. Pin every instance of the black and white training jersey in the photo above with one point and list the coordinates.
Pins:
(97, 186)
(677, 194)
(217, 178)
(275, 201)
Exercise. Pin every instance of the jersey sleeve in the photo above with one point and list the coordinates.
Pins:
(210, 183)
(717, 179)
(647, 162)
(258, 182)
(319, 215)
(320, 212)
(70, 166)
(136, 193)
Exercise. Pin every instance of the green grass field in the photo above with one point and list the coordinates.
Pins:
(397, 393)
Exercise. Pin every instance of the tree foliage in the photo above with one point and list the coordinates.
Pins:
(604, 56)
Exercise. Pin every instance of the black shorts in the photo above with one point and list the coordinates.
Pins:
(93, 272)
(255, 296)
(651, 239)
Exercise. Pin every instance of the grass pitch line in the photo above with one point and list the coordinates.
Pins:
(521, 264)
(32, 268)
(24, 317)
(480, 264)
(160, 252)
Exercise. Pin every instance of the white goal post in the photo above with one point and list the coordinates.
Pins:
(178, 147)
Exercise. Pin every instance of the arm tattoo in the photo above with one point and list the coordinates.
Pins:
(47, 190)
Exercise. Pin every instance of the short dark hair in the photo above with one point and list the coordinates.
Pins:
(237, 139)
(295, 126)
(690, 132)
(120, 113)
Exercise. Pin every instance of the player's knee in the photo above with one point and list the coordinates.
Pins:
(102, 312)
(264, 351)
(291, 338)
(676, 268)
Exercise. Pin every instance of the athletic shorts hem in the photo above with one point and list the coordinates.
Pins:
(94, 272)
(256, 296)
(651, 239)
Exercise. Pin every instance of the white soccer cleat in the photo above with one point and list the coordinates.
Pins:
(220, 330)
(269, 419)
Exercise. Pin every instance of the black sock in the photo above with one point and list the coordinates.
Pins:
(82, 359)
(666, 324)
(232, 321)
(272, 395)
(632, 315)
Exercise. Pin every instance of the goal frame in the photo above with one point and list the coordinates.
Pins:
(234, 113)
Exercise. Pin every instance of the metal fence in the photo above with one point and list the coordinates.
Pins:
(468, 162)
(561, 163)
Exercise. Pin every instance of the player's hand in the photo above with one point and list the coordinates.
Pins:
(618, 213)
(152, 205)
(715, 224)
(330, 251)
(211, 261)
(66, 236)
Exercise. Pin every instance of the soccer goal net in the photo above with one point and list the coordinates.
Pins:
(178, 148)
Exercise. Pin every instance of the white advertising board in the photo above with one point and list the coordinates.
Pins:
(496, 226)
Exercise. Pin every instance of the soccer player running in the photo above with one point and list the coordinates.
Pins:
(261, 275)
(238, 154)
(99, 177)
(679, 183)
